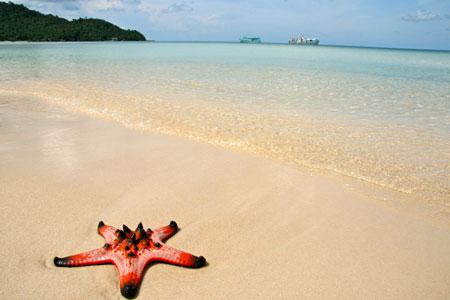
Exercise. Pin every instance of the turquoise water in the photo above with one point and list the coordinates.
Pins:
(380, 115)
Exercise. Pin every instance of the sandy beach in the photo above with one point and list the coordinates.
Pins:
(266, 229)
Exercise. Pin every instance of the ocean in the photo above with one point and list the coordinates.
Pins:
(378, 115)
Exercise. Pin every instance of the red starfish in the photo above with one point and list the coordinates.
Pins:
(131, 251)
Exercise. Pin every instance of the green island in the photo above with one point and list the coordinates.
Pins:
(18, 23)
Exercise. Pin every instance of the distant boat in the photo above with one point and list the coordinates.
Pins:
(303, 41)
(250, 40)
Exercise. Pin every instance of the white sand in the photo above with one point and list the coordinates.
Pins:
(267, 230)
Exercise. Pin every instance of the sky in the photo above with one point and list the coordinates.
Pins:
(379, 23)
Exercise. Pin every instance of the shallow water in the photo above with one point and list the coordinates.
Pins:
(379, 115)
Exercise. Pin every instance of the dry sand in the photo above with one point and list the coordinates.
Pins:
(267, 230)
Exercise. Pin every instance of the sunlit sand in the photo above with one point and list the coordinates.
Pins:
(266, 229)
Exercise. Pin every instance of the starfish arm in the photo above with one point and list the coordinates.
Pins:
(177, 257)
(164, 233)
(93, 257)
(131, 273)
(107, 232)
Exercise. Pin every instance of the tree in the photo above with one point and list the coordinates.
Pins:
(18, 23)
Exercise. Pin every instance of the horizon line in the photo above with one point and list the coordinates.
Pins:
(237, 42)
(281, 43)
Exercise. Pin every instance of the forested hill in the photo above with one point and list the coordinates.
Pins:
(18, 23)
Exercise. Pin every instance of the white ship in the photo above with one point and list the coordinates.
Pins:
(303, 41)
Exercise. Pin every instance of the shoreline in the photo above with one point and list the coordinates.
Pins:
(332, 146)
(266, 229)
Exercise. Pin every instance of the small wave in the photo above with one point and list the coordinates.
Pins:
(405, 159)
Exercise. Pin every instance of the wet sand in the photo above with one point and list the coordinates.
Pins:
(266, 229)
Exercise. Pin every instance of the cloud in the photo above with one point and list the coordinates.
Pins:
(90, 6)
(104, 5)
(114, 5)
(53, 1)
(177, 8)
(71, 5)
(422, 16)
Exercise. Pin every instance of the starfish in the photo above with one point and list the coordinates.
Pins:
(131, 251)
